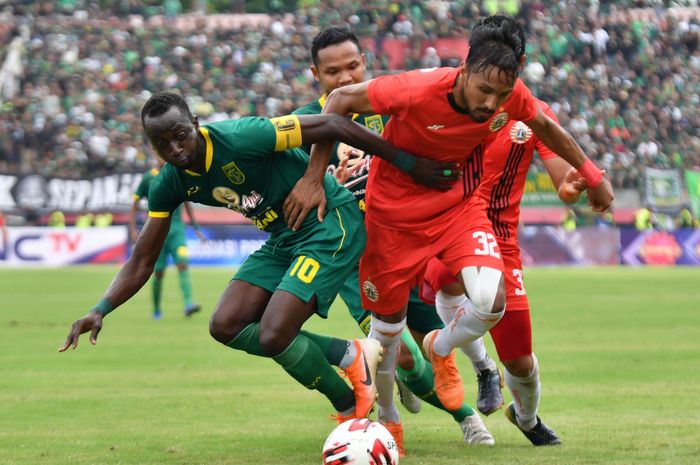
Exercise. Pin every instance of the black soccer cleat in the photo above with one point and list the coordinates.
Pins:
(540, 435)
(489, 397)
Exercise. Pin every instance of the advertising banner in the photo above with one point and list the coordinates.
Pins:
(551, 245)
(540, 191)
(663, 188)
(67, 246)
(41, 194)
(225, 245)
(652, 247)
(692, 184)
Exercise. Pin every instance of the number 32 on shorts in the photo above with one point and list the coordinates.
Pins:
(305, 269)
(488, 244)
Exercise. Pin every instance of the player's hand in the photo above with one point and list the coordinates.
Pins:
(342, 173)
(90, 322)
(349, 165)
(437, 175)
(572, 186)
(306, 195)
(600, 198)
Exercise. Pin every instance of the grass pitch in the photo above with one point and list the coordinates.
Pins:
(619, 351)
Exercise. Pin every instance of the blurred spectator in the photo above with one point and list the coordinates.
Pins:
(645, 218)
(568, 220)
(84, 221)
(56, 219)
(623, 76)
(685, 219)
(102, 220)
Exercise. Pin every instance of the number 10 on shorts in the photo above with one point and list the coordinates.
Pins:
(305, 269)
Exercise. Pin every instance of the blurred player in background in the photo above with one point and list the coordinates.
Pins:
(250, 165)
(443, 113)
(501, 183)
(175, 246)
(338, 61)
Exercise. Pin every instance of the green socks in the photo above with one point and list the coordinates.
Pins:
(156, 292)
(333, 348)
(305, 362)
(186, 286)
(421, 382)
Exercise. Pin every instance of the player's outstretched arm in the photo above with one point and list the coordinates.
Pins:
(132, 276)
(600, 193)
(566, 179)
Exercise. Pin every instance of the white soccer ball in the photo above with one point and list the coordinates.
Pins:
(360, 442)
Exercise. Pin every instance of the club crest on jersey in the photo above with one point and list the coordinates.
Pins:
(233, 173)
(498, 121)
(374, 123)
(520, 133)
(370, 290)
(228, 197)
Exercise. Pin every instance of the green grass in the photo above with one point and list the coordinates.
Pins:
(619, 350)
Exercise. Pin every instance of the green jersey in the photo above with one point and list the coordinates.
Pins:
(251, 166)
(142, 192)
(357, 182)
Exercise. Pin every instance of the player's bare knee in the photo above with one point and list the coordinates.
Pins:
(223, 328)
(520, 366)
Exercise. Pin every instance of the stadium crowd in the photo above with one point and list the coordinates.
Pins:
(624, 77)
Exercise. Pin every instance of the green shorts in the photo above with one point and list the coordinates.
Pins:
(421, 316)
(175, 246)
(315, 260)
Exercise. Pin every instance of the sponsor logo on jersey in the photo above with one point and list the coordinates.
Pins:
(370, 290)
(193, 190)
(374, 123)
(233, 201)
(435, 127)
(498, 121)
(520, 133)
(233, 173)
(264, 219)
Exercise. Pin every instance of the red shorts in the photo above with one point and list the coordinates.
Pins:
(438, 275)
(512, 336)
(394, 261)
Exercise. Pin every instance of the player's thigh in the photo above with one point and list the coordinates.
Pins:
(350, 293)
(516, 296)
(241, 304)
(324, 257)
(392, 264)
(512, 336)
(421, 317)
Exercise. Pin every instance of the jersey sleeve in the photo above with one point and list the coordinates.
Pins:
(544, 152)
(257, 137)
(522, 104)
(385, 97)
(165, 195)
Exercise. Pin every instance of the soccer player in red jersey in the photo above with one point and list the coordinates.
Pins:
(443, 114)
(506, 161)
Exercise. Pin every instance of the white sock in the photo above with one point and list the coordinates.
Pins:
(526, 395)
(446, 306)
(349, 357)
(389, 335)
(467, 326)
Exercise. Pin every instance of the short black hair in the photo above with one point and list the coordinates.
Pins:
(162, 101)
(331, 36)
(497, 41)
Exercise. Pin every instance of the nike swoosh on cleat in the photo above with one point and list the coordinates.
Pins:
(368, 375)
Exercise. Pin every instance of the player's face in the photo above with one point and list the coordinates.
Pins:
(339, 65)
(482, 93)
(174, 137)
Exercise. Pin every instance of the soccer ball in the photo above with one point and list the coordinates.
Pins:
(360, 442)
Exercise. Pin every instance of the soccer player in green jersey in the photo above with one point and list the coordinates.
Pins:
(175, 246)
(337, 61)
(250, 165)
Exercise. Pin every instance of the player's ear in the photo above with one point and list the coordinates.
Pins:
(521, 65)
(314, 71)
(195, 121)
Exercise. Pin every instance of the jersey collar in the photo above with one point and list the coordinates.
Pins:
(322, 102)
(209, 152)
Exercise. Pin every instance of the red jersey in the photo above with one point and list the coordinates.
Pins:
(426, 121)
(507, 158)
